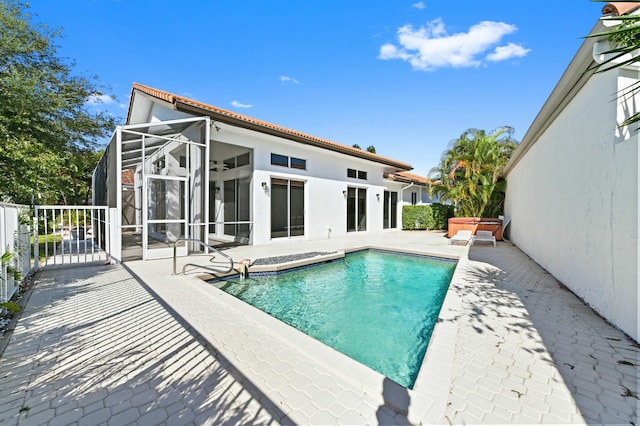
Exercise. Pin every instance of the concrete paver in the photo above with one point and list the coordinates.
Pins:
(132, 344)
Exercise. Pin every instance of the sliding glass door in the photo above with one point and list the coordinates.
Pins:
(390, 210)
(236, 208)
(356, 209)
(287, 208)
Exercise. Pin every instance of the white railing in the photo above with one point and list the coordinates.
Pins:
(65, 235)
(15, 248)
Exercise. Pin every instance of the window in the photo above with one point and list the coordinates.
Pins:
(414, 198)
(298, 163)
(242, 160)
(356, 209)
(279, 160)
(283, 160)
(233, 162)
(230, 163)
(353, 173)
(287, 208)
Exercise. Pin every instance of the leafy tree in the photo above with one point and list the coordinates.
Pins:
(45, 120)
(370, 148)
(469, 172)
(74, 182)
(624, 39)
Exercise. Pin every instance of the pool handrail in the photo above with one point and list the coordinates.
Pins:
(202, 243)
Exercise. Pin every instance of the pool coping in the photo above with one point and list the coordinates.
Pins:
(426, 402)
(311, 261)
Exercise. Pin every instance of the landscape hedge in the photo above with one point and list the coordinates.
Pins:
(431, 217)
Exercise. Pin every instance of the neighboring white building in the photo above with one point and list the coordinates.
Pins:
(572, 191)
(416, 189)
(214, 175)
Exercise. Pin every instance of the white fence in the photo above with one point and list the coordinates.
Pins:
(15, 248)
(62, 235)
(72, 235)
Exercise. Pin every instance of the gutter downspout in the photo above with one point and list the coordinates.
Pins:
(402, 197)
(406, 187)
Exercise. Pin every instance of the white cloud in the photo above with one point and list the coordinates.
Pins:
(511, 50)
(430, 46)
(240, 105)
(419, 5)
(286, 79)
(99, 98)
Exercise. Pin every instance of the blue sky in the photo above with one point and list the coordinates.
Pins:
(404, 76)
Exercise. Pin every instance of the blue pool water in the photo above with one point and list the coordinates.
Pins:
(376, 307)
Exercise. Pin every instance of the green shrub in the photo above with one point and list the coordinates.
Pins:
(416, 217)
(430, 217)
(441, 214)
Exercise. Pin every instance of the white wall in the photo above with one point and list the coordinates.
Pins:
(573, 200)
(325, 180)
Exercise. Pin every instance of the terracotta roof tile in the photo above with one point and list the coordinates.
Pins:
(127, 177)
(324, 143)
(407, 177)
(620, 8)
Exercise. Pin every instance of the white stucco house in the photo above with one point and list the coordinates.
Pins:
(210, 174)
(573, 184)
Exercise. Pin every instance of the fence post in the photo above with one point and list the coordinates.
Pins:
(36, 245)
(14, 249)
(23, 249)
(2, 249)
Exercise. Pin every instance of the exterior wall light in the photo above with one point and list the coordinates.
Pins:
(344, 193)
(264, 185)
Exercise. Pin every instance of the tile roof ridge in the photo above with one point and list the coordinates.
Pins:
(161, 94)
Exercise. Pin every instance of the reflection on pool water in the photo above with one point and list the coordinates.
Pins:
(376, 307)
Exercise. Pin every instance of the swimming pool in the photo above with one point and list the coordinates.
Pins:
(376, 307)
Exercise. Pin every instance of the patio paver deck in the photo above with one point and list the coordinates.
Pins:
(133, 344)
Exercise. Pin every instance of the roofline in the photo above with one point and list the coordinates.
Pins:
(397, 177)
(180, 103)
(573, 79)
(619, 8)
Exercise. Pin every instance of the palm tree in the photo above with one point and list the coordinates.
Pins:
(469, 171)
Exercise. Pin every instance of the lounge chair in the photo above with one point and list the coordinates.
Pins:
(485, 236)
(462, 236)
